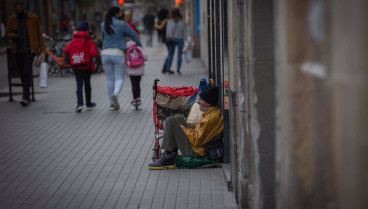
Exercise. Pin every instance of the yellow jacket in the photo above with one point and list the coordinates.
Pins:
(211, 125)
(34, 32)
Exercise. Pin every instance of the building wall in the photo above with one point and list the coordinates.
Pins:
(204, 33)
(250, 54)
(322, 85)
(298, 80)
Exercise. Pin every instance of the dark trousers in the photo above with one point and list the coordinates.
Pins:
(149, 39)
(83, 77)
(175, 138)
(164, 69)
(180, 44)
(25, 63)
(136, 87)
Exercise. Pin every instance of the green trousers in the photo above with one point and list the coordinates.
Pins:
(175, 138)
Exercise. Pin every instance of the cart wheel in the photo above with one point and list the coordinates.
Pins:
(154, 155)
(156, 152)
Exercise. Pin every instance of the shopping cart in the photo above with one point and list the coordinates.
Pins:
(168, 101)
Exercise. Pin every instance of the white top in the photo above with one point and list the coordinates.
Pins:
(113, 52)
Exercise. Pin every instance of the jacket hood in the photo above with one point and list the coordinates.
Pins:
(82, 34)
(130, 44)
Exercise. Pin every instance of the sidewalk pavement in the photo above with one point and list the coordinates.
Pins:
(52, 157)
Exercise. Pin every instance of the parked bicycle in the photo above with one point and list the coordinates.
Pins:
(55, 60)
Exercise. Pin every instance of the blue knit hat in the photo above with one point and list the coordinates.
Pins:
(83, 26)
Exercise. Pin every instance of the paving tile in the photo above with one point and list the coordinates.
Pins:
(52, 157)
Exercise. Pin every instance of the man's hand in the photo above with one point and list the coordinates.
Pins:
(42, 56)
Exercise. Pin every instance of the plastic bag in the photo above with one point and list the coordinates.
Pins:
(194, 162)
(188, 56)
(202, 85)
(43, 75)
(195, 115)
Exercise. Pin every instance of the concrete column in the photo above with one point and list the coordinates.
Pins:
(322, 98)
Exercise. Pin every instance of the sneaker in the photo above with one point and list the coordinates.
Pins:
(179, 72)
(91, 106)
(166, 161)
(170, 71)
(138, 101)
(116, 102)
(111, 107)
(79, 108)
(25, 102)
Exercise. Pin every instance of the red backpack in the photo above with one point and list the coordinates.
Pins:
(135, 57)
(78, 54)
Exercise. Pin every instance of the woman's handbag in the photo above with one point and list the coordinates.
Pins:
(214, 149)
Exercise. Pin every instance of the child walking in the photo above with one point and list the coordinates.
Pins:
(81, 51)
(135, 69)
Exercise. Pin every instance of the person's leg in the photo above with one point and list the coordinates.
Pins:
(110, 76)
(79, 79)
(118, 70)
(87, 86)
(170, 56)
(132, 85)
(119, 65)
(149, 37)
(135, 80)
(164, 68)
(175, 138)
(24, 62)
(138, 87)
(180, 43)
(20, 58)
(172, 131)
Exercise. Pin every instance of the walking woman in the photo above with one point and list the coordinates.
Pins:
(175, 34)
(114, 30)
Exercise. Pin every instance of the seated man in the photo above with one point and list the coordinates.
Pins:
(190, 141)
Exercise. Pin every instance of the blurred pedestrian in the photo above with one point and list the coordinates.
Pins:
(135, 71)
(175, 34)
(128, 17)
(149, 23)
(113, 32)
(2, 32)
(160, 25)
(25, 31)
(64, 24)
(81, 51)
